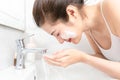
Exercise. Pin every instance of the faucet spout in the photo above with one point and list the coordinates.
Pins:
(21, 51)
(34, 50)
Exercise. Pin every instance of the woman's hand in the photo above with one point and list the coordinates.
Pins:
(66, 57)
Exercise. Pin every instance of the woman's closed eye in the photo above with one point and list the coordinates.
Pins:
(55, 33)
(52, 33)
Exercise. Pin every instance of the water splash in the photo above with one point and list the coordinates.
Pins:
(52, 72)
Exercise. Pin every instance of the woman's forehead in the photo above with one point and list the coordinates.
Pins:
(46, 26)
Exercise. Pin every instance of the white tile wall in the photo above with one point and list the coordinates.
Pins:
(7, 45)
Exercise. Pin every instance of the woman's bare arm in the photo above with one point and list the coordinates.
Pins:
(109, 67)
(100, 62)
(111, 10)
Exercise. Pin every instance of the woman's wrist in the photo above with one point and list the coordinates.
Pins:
(85, 58)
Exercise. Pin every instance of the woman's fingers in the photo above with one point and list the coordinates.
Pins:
(64, 61)
(59, 54)
(64, 58)
(52, 61)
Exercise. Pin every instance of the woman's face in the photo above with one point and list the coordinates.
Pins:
(59, 28)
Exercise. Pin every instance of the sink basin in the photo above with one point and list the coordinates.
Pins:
(78, 71)
(13, 74)
(43, 71)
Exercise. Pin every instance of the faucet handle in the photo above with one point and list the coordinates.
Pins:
(20, 44)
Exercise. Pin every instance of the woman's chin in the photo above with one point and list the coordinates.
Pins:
(75, 42)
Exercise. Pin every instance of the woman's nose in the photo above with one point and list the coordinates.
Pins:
(60, 40)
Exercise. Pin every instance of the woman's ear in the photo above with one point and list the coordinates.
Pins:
(72, 12)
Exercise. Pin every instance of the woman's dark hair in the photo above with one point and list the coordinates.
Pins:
(52, 10)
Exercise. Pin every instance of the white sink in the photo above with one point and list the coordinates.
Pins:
(74, 72)
(43, 71)
(13, 74)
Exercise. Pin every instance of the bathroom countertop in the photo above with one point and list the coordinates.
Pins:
(13, 74)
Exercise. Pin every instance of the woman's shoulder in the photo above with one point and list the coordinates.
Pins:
(113, 6)
(111, 9)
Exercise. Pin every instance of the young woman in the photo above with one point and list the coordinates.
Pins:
(68, 19)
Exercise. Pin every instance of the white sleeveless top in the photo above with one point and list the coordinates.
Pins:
(114, 52)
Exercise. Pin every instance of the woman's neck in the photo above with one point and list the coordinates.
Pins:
(94, 18)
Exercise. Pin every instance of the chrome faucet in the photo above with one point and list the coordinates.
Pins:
(21, 51)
